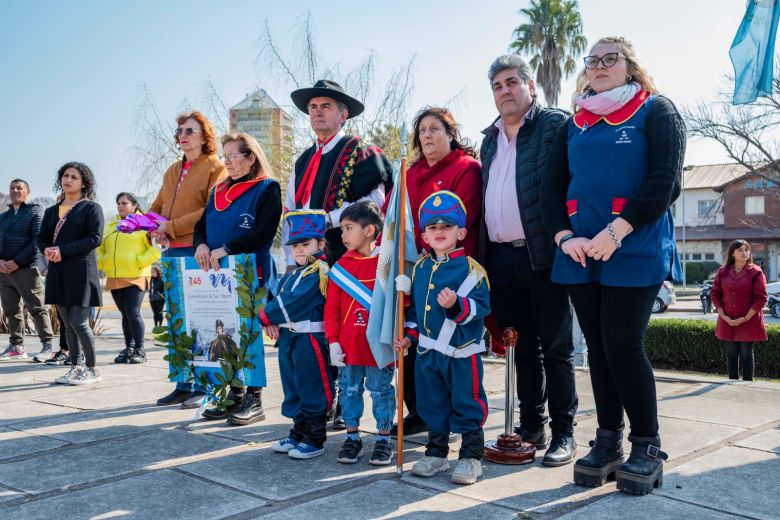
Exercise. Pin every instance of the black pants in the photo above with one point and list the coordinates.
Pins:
(79, 333)
(157, 311)
(472, 445)
(614, 320)
(736, 350)
(63, 331)
(544, 358)
(128, 300)
(310, 431)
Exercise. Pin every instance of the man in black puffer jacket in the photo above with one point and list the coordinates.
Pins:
(518, 253)
(20, 279)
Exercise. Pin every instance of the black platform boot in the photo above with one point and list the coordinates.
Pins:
(644, 469)
(600, 464)
(251, 408)
(215, 414)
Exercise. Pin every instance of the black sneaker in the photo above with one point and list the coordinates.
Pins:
(138, 356)
(59, 359)
(123, 355)
(382, 454)
(351, 451)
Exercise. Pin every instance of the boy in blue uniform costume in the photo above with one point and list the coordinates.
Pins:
(450, 297)
(295, 317)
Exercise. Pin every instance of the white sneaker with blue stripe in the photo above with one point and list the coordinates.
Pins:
(284, 445)
(305, 451)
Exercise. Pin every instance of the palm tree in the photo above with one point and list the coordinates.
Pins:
(553, 36)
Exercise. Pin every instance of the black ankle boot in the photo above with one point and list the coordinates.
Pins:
(251, 410)
(215, 414)
(604, 459)
(644, 469)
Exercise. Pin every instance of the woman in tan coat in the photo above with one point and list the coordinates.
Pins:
(182, 200)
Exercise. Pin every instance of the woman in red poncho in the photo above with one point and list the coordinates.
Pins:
(739, 295)
(440, 162)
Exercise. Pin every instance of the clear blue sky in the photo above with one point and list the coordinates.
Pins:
(72, 69)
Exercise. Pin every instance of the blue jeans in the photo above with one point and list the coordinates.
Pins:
(379, 382)
(177, 252)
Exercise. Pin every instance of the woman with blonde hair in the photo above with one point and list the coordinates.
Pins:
(181, 200)
(242, 216)
(613, 172)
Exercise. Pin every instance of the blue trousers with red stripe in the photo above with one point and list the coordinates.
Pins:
(307, 384)
(450, 398)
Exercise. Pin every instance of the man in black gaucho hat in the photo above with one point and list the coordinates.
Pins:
(338, 169)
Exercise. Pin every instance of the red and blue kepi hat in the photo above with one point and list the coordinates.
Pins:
(442, 207)
(305, 224)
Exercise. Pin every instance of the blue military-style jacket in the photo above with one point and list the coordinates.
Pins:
(456, 332)
(299, 304)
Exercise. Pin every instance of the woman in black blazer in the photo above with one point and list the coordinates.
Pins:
(70, 232)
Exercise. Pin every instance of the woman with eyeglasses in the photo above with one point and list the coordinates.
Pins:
(181, 200)
(126, 258)
(242, 216)
(613, 172)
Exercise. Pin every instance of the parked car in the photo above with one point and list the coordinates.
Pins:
(773, 288)
(774, 305)
(665, 298)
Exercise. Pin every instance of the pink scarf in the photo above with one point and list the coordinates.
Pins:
(604, 103)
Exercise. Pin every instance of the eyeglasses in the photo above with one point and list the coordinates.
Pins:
(609, 60)
(186, 131)
(233, 157)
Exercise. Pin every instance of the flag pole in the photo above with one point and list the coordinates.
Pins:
(400, 314)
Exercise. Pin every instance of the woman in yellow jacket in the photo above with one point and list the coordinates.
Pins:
(127, 258)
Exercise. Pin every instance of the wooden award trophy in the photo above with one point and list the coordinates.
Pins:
(509, 448)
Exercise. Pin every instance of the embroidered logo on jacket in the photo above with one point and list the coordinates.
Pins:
(623, 135)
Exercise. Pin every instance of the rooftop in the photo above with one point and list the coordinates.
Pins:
(711, 175)
(255, 100)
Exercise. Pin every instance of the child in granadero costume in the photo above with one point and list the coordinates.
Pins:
(450, 298)
(294, 316)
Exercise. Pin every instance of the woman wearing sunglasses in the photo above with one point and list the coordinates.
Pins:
(182, 199)
(614, 170)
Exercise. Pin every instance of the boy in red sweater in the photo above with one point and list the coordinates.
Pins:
(346, 317)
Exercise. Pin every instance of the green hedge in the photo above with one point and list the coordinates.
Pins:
(697, 272)
(692, 345)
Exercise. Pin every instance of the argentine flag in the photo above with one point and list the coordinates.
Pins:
(381, 317)
(753, 51)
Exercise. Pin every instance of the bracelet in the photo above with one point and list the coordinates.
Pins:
(612, 234)
(564, 238)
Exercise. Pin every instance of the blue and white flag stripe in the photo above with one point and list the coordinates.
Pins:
(351, 285)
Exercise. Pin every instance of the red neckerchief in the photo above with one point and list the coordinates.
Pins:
(303, 193)
(225, 194)
(586, 119)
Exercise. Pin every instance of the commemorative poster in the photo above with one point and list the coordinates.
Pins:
(208, 306)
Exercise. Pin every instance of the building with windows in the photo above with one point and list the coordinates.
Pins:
(261, 117)
(723, 202)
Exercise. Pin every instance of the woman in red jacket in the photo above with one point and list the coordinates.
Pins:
(440, 161)
(739, 295)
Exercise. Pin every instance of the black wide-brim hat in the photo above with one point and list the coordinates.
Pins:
(326, 88)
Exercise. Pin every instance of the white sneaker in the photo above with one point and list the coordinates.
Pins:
(87, 376)
(13, 353)
(70, 375)
(45, 354)
(467, 471)
(429, 466)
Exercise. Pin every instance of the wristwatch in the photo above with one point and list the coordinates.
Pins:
(564, 238)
